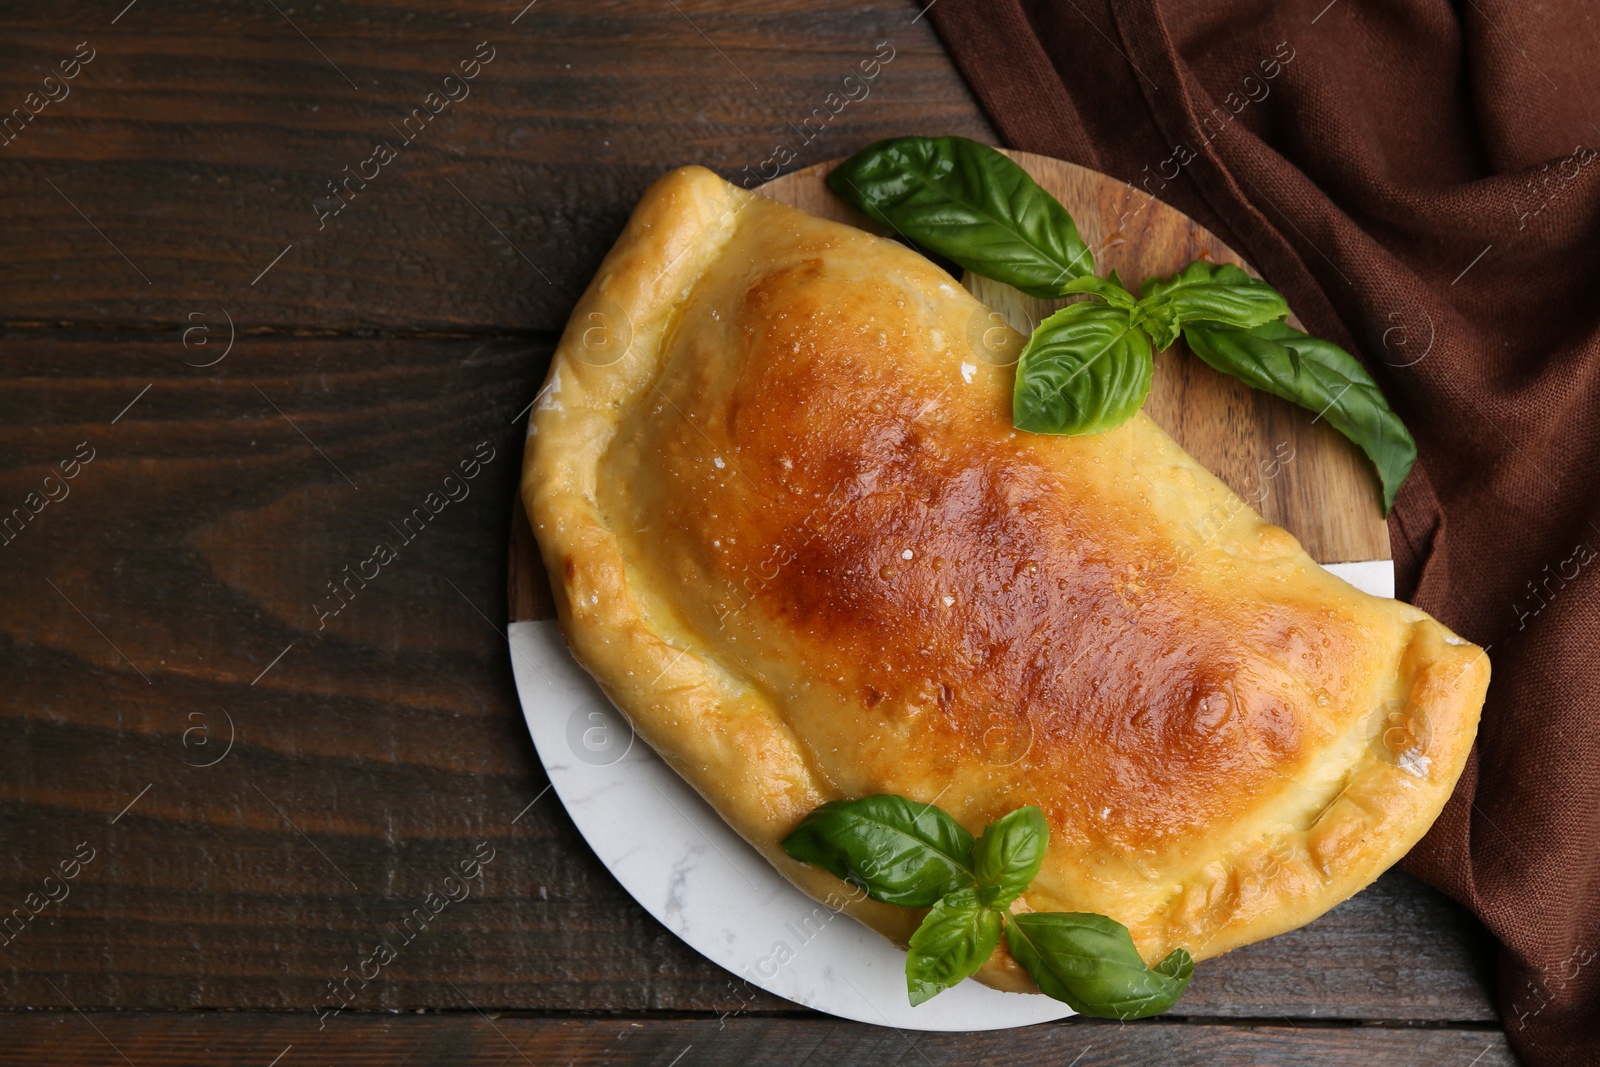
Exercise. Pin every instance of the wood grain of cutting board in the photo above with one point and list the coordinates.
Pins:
(1293, 468)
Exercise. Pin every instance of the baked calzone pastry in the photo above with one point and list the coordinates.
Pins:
(794, 536)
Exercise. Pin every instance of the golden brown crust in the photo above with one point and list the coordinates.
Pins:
(794, 536)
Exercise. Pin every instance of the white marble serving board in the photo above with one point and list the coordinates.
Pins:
(687, 867)
(1375, 576)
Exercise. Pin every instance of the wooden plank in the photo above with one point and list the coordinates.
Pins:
(202, 1040)
(528, 594)
(197, 146)
(1437, 964)
(167, 604)
(370, 756)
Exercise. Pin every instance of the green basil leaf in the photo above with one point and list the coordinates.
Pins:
(1319, 376)
(1085, 369)
(1214, 292)
(971, 204)
(1088, 962)
(899, 851)
(1008, 854)
(1109, 290)
(955, 939)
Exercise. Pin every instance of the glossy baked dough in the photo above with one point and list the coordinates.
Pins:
(794, 536)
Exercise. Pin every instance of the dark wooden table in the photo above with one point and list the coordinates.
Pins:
(255, 339)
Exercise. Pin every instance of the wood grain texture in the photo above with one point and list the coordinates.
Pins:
(169, 600)
(379, 750)
(202, 134)
(469, 1040)
(528, 594)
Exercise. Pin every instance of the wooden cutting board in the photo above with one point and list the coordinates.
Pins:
(1293, 468)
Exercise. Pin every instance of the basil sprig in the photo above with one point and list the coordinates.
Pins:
(1009, 854)
(958, 936)
(1089, 962)
(1208, 292)
(1088, 371)
(899, 851)
(1108, 289)
(970, 204)
(1318, 375)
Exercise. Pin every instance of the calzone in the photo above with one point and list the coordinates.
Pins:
(795, 537)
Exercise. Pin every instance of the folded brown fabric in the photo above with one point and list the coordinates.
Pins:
(1419, 178)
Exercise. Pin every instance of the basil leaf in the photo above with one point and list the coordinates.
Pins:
(1008, 855)
(1214, 292)
(897, 850)
(1085, 369)
(1088, 962)
(1319, 376)
(971, 204)
(955, 939)
(1110, 290)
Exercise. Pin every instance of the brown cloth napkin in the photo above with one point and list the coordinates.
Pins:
(1420, 179)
